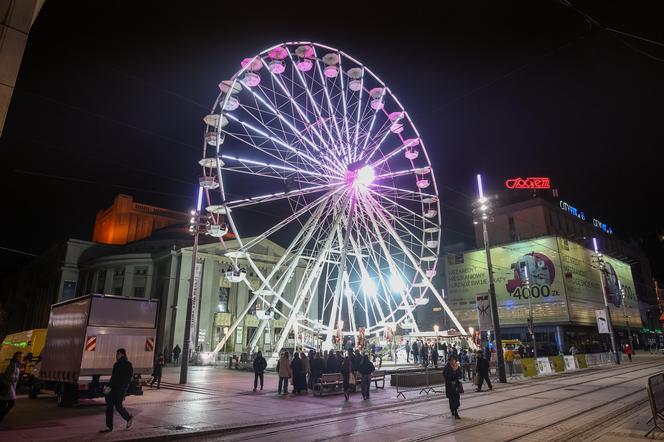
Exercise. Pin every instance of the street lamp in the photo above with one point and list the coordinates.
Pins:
(482, 211)
(531, 320)
(602, 278)
(629, 331)
(195, 228)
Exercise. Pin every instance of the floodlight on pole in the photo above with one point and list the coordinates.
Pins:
(602, 280)
(483, 210)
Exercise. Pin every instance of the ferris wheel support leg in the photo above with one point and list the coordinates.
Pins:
(419, 270)
(342, 268)
(306, 232)
(310, 279)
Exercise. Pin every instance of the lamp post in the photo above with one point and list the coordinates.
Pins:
(531, 320)
(483, 210)
(602, 277)
(195, 227)
(629, 331)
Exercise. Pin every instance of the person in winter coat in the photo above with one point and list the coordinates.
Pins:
(306, 371)
(416, 352)
(156, 374)
(466, 368)
(298, 373)
(284, 370)
(482, 369)
(346, 372)
(424, 354)
(115, 392)
(176, 354)
(260, 364)
(452, 375)
(434, 356)
(317, 369)
(8, 384)
(366, 368)
(407, 352)
(332, 366)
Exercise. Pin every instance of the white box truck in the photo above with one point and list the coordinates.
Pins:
(81, 342)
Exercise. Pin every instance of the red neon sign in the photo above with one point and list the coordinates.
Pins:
(528, 183)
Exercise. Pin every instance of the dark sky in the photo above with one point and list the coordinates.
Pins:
(111, 95)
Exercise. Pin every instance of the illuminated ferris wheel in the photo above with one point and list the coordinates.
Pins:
(342, 160)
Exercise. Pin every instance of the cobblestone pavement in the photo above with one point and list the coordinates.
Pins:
(606, 403)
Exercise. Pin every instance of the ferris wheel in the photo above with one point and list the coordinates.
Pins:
(308, 133)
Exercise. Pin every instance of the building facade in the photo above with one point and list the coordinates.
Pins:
(543, 216)
(128, 221)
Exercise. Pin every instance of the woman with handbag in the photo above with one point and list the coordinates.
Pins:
(453, 386)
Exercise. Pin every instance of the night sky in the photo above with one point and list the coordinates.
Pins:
(110, 98)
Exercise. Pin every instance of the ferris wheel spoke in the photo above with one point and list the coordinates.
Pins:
(258, 167)
(277, 141)
(345, 110)
(278, 196)
(296, 106)
(312, 101)
(332, 113)
(274, 112)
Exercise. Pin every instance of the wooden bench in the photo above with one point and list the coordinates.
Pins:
(375, 377)
(328, 380)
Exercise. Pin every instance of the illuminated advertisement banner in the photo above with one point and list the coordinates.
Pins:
(557, 277)
(467, 278)
(584, 292)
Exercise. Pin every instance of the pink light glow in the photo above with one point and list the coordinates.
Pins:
(365, 176)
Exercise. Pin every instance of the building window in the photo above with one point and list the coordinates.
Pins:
(238, 334)
(223, 299)
(139, 292)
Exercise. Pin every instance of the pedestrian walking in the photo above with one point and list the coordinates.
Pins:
(284, 370)
(416, 352)
(346, 372)
(466, 369)
(156, 371)
(8, 381)
(453, 387)
(167, 356)
(116, 390)
(407, 352)
(509, 358)
(366, 369)
(482, 370)
(260, 364)
(628, 351)
(332, 366)
(306, 371)
(176, 354)
(434, 356)
(423, 354)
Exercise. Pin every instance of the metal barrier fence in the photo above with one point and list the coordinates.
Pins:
(427, 389)
(655, 388)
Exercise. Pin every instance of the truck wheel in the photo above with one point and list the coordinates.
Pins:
(66, 395)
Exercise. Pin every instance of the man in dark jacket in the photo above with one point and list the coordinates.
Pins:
(407, 352)
(416, 351)
(260, 364)
(482, 372)
(366, 369)
(176, 354)
(317, 368)
(115, 391)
